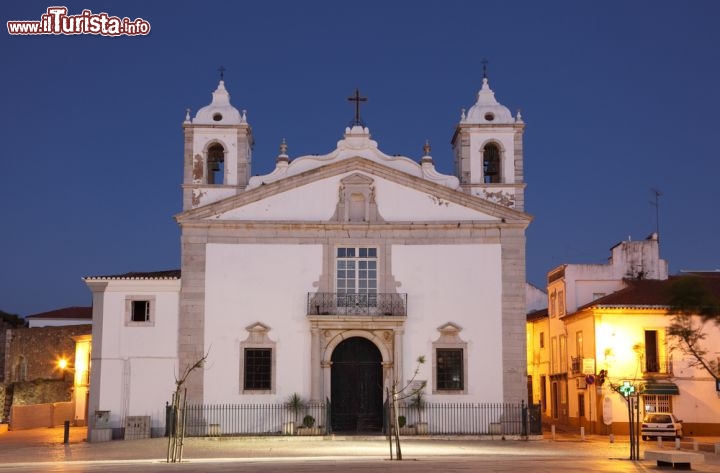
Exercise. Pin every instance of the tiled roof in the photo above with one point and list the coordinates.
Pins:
(65, 313)
(169, 274)
(652, 293)
(537, 315)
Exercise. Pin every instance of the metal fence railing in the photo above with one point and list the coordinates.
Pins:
(209, 420)
(474, 419)
(203, 420)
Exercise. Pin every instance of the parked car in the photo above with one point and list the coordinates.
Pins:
(661, 424)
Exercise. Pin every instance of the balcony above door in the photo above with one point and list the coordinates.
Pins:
(361, 305)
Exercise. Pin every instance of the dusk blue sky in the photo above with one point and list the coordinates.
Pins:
(618, 97)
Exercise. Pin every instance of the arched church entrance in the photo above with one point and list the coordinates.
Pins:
(356, 386)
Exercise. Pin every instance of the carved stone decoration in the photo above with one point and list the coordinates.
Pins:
(258, 333)
(438, 201)
(500, 197)
(197, 196)
(198, 169)
(357, 200)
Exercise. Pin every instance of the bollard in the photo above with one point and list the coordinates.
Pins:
(582, 433)
(552, 429)
(612, 438)
(677, 444)
(659, 442)
(696, 445)
(66, 432)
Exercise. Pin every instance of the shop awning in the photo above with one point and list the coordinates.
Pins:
(659, 388)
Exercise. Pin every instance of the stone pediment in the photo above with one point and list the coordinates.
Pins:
(357, 179)
(325, 194)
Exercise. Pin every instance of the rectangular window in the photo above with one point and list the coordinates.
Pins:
(258, 369)
(652, 362)
(542, 339)
(543, 393)
(450, 369)
(561, 303)
(581, 405)
(579, 344)
(563, 353)
(657, 402)
(356, 276)
(140, 311)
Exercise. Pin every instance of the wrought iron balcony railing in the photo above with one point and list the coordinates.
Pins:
(379, 304)
(576, 364)
(658, 366)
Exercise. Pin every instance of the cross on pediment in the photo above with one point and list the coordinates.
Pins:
(357, 99)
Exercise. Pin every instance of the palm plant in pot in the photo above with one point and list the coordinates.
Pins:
(295, 405)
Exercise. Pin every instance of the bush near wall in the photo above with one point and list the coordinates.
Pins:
(41, 391)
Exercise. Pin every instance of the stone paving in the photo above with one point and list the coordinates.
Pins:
(43, 450)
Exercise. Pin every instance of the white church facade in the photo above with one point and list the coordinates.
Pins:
(327, 277)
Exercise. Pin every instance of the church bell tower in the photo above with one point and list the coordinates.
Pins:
(218, 151)
(488, 150)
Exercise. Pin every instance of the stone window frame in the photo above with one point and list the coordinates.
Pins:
(152, 303)
(258, 338)
(450, 339)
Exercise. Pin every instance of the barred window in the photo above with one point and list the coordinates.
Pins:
(450, 369)
(657, 402)
(258, 369)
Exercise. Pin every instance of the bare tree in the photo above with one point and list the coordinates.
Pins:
(396, 394)
(176, 436)
(693, 305)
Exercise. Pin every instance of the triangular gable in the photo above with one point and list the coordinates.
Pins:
(314, 196)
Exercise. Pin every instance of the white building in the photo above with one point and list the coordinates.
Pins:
(328, 277)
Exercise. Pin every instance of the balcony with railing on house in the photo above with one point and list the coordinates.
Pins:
(373, 305)
(576, 364)
(654, 366)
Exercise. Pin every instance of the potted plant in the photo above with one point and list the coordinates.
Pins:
(294, 404)
(404, 429)
(308, 426)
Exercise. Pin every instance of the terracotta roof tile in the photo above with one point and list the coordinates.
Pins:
(64, 313)
(655, 293)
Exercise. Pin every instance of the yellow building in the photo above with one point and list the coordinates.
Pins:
(622, 337)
